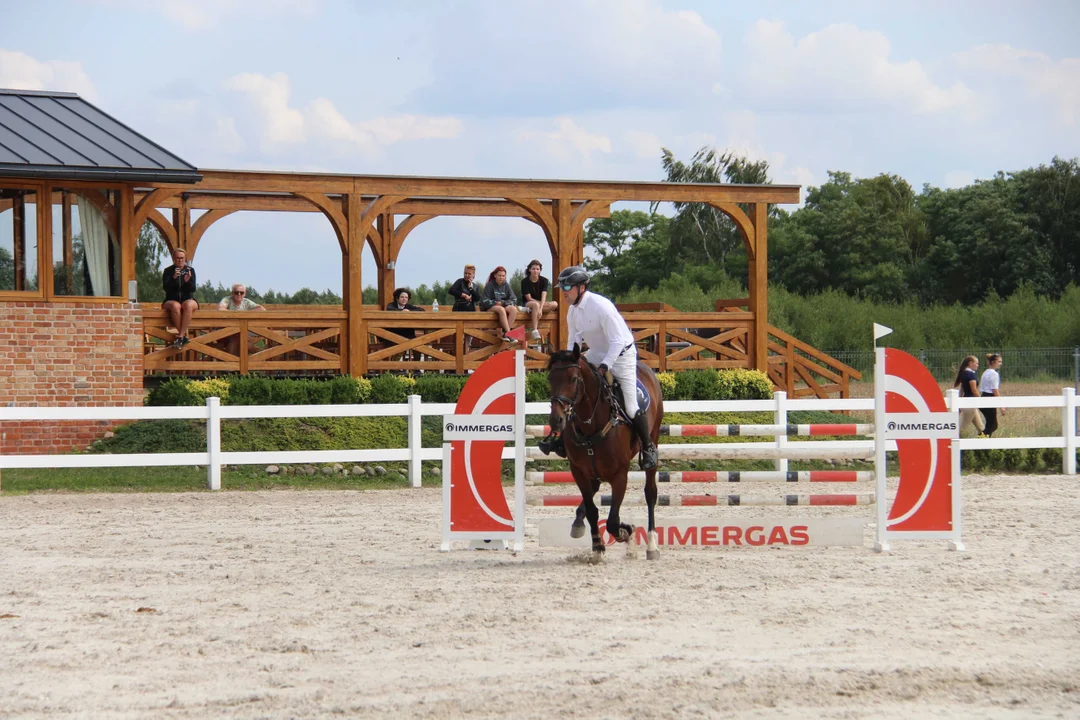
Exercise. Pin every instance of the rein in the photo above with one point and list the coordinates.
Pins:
(569, 407)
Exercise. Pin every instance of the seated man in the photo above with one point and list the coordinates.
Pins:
(534, 290)
(401, 304)
(238, 302)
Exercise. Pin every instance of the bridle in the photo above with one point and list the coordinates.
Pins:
(568, 404)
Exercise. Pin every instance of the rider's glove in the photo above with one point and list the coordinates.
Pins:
(607, 374)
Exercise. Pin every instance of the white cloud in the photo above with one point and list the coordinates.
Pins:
(644, 144)
(569, 141)
(282, 124)
(19, 71)
(841, 68)
(228, 140)
(203, 15)
(1058, 81)
(547, 57)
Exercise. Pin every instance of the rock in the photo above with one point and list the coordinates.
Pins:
(436, 472)
(370, 471)
(357, 470)
(272, 469)
(109, 434)
(338, 467)
(328, 471)
(380, 470)
(288, 469)
(309, 470)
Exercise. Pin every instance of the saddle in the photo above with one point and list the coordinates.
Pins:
(620, 403)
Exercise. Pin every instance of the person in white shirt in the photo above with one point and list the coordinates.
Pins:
(238, 302)
(988, 387)
(593, 319)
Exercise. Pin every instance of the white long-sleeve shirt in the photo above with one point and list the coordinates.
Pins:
(990, 381)
(596, 321)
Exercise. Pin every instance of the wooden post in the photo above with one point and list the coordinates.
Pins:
(355, 343)
(128, 235)
(65, 222)
(561, 211)
(759, 296)
(384, 225)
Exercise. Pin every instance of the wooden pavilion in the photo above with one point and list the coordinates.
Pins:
(102, 177)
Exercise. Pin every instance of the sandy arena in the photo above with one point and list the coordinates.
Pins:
(312, 604)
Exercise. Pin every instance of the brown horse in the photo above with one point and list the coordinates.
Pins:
(599, 446)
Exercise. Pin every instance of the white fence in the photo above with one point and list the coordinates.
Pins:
(213, 413)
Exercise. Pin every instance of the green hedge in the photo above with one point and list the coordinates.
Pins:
(707, 384)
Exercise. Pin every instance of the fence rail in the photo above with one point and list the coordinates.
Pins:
(414, 410)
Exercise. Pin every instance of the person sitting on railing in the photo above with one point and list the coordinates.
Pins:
(401, 304)
(534, 292)
(466, 292)
(499, 298)
(238, 302)
(178, 281)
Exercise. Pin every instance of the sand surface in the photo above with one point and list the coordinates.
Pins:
(315, 604)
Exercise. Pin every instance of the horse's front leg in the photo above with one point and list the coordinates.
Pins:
(619, 530)
(588, 491)
(652, 551)
(577, 529)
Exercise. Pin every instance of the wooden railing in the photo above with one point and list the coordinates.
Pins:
(804, 371)
(305, 339)
(308, 339)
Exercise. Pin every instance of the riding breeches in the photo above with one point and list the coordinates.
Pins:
(625, 371)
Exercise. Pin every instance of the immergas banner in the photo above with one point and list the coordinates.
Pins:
(478, 427)
(917, 425)
(717, 532)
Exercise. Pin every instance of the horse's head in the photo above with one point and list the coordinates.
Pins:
(567, 370)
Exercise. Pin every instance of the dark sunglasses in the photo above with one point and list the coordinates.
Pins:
(237, 292)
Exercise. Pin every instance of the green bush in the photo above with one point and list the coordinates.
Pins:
(537, 387)
(251, 391)
(390, 388)
(668, 383)
(211, 387)
(347, 390)
(434, 388)
(346, 433)
(155, 436)
(174, 392)
(739, 384)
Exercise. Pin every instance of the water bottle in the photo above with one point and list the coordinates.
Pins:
(435, 305)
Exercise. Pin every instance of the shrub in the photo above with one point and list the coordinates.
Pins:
(251, 391)
(439, 388)
(211, 387)
(742, 384)
(149, 436)
(537, 387)
(347, 390)
(667, 383)
(174, 392)
(390, 388)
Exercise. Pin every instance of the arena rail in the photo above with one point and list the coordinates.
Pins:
(414, 410)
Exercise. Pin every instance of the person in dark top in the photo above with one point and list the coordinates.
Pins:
(499, 298)
(401, 304)
(534, 292)
(968, 382)
(179, 283)
(466, 292)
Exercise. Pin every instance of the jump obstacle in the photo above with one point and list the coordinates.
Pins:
(926, 505)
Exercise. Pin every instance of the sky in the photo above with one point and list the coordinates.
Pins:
(938, 93)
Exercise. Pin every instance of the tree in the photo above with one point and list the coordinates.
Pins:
(632, 249)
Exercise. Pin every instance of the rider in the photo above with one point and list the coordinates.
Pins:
(592, 318)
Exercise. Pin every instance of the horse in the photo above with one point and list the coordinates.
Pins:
(599, 446)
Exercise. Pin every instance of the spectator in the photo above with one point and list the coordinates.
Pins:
(178, 281)
(401, 304)
(967, 381)
(499, 298)
(466, 292)
(238, 302)
(988, 386)
(534, 291)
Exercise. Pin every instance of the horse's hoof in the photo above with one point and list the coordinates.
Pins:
(598, 549)
(625, 532)
(577, 530)
(652, 554)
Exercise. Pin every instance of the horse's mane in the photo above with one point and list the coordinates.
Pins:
(565, 357)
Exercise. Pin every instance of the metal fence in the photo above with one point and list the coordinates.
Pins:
(1017, 363)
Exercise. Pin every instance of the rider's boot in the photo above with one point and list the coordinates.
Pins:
(648, 450)
(552, 443)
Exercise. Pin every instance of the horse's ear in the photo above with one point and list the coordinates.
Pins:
(549, 349)
(577, 352)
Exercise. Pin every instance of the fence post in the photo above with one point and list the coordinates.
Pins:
(951, 396)
(780, 398)
(1068, 430)
(1076, 368)
(414, 440)
(213, 443)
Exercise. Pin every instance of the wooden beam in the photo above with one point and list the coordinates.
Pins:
(19, 242)
(201, 225)
(65, 224)
(759, 298)
(128, 236)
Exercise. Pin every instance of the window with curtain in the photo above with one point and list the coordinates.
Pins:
(85, 244)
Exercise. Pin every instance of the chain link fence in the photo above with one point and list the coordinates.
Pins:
(1050, 364)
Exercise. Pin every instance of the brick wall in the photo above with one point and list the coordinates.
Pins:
(67, 354)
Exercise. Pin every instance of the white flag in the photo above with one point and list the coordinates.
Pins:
(881, 331)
